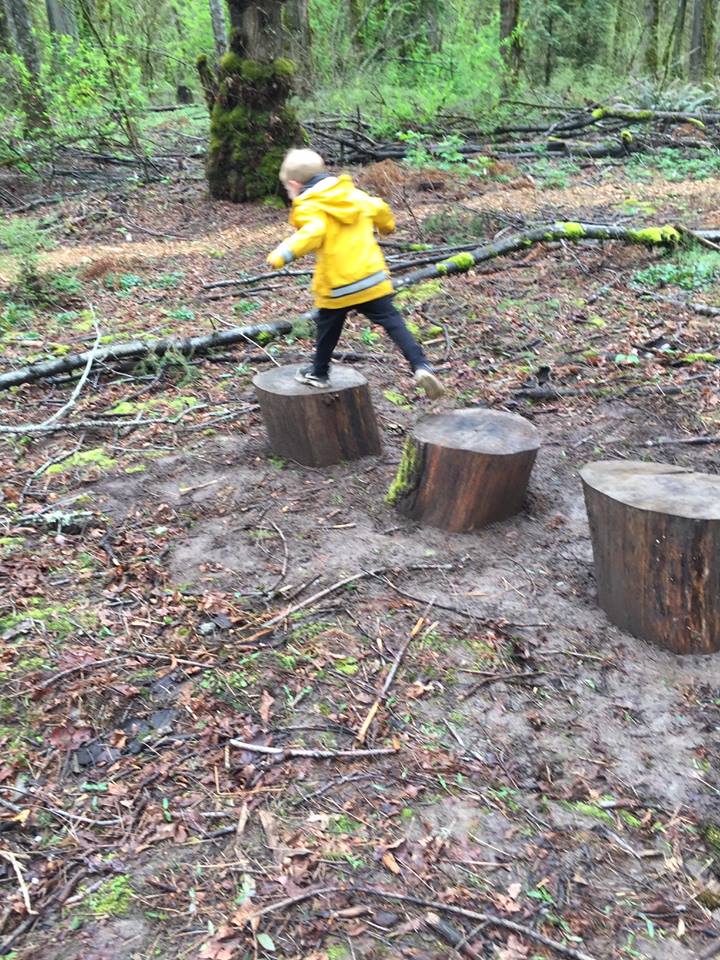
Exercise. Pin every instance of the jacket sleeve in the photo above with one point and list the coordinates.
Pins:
(382, 216)
(310, 235)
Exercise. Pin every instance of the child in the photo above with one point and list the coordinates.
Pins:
(336, 219)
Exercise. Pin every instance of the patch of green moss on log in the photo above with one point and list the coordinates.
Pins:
(251, 128)
(458, 263)
(599, 113)
(407, 474)
(571, 230)
(656, 236)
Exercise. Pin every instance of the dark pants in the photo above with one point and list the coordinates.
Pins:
(381, 311)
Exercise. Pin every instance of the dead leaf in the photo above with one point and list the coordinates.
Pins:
(391, 863)
(514, 949)
(514, 890)
(69, 737)
(266, 702)
(506, 904)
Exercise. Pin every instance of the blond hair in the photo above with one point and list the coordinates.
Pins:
(301, 165)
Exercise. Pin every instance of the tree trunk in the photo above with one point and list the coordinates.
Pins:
(252, 125)
(702, 42)
(297, 27)
(653, 37)
(22, 39)
(219, 26)
(549, 49)
(510, 43)
(656, 542)
(318, 427)
(619, 31)
(61, 17)
(259, 27)
(678, 41)
(21, 29)
(465, 469)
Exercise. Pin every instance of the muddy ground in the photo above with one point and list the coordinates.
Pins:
(547, 769)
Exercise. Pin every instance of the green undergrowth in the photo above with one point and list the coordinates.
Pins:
(674, 165)
(691, 269)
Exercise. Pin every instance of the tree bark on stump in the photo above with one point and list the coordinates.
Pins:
(656, 542)
(318, 427)
(465, 469)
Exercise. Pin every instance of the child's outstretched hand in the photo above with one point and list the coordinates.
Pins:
(276, 260)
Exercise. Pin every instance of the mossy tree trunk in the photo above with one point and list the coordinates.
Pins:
(653, 37)
(251, 122)
(510, 42)
(21, 38)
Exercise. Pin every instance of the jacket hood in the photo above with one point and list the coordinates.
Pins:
(336, 196)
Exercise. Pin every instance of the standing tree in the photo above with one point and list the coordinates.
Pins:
(702, 44)
(62, 18)
(510, 42)
(251, 123)
(653, 37)
(21, 39)
(219, 26)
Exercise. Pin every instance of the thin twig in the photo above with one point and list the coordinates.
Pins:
(293, 752)
(13, 860)
(363, 731)
(321, 594)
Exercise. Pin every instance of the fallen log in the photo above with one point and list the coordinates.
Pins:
(138, 349)
(652, 236)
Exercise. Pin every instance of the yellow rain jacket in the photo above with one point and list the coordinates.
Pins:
(337, 220)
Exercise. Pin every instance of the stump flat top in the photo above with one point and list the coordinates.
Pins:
(281, 380)
(479, 431)
(657, 487)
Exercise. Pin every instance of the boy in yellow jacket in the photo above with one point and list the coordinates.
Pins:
(337, 220)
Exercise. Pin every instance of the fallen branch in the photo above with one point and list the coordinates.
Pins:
(138, 349)
(450, 935)
(676, 441)
(367, 722)
(653, 236)
(488, 918)
(294, 752)
(310, 601)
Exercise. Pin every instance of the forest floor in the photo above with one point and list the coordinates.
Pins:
(545, 768)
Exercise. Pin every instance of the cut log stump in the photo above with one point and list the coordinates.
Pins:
(656, 542)
(318, 427)
(465, 469)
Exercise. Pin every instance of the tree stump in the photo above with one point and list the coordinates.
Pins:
(656, 542)
(318, 427)
(465, 469)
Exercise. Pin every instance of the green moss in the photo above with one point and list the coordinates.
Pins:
(112, 898)
(231, 63)
(599, 113)
(85, 458)
(420, 293)
(407, 474)
(699, 358)
(590, 810)
(251, 128)
(571, 230)
(626, 136)
(656, 236)
(284, 67)
(460, 262)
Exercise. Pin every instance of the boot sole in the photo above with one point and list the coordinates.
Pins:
(430, 384)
